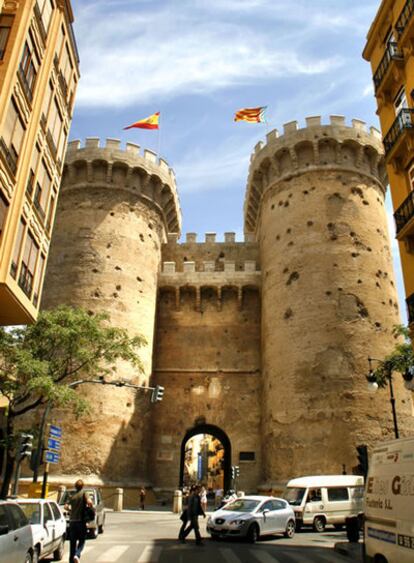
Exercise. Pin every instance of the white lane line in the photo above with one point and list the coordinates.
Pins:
(113, 554)
(229, 555)
(264, 557)
(150, 555)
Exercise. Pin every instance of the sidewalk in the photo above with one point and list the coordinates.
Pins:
(351, 550)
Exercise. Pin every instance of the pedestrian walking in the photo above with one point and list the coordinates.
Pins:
(218, 497)
(194, 510)
(77, 521)
(203, 498)
(142, 495)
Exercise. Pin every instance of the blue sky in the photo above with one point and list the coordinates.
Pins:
(197, 61)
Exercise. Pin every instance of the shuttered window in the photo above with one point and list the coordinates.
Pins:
(6, 23)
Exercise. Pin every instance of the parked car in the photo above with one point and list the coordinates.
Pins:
(251, 517)
(325, 499)
(48, 526)
(16, 538)
(389, 507)
(96, 526)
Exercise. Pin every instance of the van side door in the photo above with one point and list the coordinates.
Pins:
(338, 505)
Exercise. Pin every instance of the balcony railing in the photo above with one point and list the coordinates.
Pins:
(410, 308)
(9, 156)
(26, 86)
(405, 212)
(51, 144)
(63, 85)
(391, 54)
(39, 209)
(403, 121)
(39, 21)
(405, 17)
(26, 281)
(30, 184)
(43, 122)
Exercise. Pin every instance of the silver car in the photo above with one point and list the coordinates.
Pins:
(16, 539)
(251, 517)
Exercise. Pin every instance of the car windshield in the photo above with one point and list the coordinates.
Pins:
(294, 496)
(242, 505)
(32, 512)
(67, 495)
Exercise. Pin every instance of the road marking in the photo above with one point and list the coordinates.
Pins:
(229, 556)
(150, 555)
(113, 554)
(264, 557)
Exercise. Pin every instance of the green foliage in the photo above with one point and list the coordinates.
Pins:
(38, 361)
(399, 360)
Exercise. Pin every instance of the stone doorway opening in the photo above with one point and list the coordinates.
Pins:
(206, 458)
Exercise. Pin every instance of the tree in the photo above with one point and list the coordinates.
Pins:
(400, 360)
(38, 361)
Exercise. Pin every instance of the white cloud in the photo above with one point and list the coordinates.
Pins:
(141, 56)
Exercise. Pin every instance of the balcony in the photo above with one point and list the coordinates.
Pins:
(401, 130)
(51, 144)
(26, 281)
(25, 84)
(404, 213)
(410, 308)
(405, 22)
(384, 74)
(8, 156)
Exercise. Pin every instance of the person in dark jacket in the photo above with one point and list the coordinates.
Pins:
(77, 522)
(194, 510)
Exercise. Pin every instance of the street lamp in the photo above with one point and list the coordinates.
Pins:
(373, 386)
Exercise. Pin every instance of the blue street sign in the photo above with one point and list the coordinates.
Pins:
(53, 444)
(55, 431)
(51, 457)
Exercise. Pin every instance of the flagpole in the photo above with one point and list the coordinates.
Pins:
(159, 137)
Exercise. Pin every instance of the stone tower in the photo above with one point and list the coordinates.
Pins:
(115, 210)
(315, 202)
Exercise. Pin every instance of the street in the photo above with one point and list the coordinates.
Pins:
(148, 537)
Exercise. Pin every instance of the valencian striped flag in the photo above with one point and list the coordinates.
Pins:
(151, 122)
(252, 115)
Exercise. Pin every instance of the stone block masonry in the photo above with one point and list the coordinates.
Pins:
(264, 341)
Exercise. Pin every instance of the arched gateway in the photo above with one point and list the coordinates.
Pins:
(218, 434)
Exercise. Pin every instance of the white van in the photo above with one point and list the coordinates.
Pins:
(325, 499)
(389, 503)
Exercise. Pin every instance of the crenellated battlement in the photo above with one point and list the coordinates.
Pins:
(209, 267)
(111, 166)
(316, 146)
(209, 238)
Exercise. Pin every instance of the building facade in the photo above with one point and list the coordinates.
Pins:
(38, 79)
(389, 49)
(261, 344)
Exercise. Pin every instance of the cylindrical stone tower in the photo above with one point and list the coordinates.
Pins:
(115, 210)
(315, 201)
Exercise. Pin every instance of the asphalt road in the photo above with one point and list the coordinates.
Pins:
(148, 537)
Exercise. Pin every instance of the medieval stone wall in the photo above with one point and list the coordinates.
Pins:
(315, 202)
(115, 210)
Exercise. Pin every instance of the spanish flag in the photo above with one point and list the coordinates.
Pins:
(150, 122)
(252, 115)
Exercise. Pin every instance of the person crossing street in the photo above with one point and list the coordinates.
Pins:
(194, 510)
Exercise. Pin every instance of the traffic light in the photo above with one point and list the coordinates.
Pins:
(157, 394)
(26, 446)
(362, 454)
(237, 471)
(233, 472)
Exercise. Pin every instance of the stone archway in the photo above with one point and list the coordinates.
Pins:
(216, 432)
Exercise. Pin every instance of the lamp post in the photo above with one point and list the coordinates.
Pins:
(373, 386)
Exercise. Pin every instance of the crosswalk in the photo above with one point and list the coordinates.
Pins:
(149, 552)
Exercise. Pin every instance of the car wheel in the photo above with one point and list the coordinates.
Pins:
(319, 524)
(290, 529)
(58, 553)
(253, 533)
(35, 556)
(28, 558)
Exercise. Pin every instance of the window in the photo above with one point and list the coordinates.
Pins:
(17, 517)
(47, 99)
(27, 271)
(55, 124)
(29, 66)
(56, 511)
(62, 144)
(338, 494)
(45, 9)
(66, 65)
(51, 211)
(13, 132)
(17, 249)
(47, 512)
(6, 23)
(411, 177)
(33, 171)
(400, 101)
(247, 456)
(278, 505)
(314, 495)
(268, 505)
(43, 185)
(3, 213)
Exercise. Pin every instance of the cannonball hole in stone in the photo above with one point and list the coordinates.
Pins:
(288, 231)
(118, 288)
(139, 279)
(309, 223)
(355, 254)
(328, 293)
(359, 281)
(277, 237)
(118, 268)
(378, 325)
(294, 276)
(365, 202)
(288, 314)
(95, 271)
(291, 243)
(280, 203)
(305, 192)
(273, 206)
(109, 245)
(285, 271)
(286, 204)
(115, 295)
(290, 195)
(141, 236)
(221, 255)
(128, 404)
(378, 285)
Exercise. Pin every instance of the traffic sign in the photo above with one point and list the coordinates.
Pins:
(55, 431)
(53, 444)
(51, 457)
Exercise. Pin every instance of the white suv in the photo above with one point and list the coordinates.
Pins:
(48, 525)
(16, 540)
